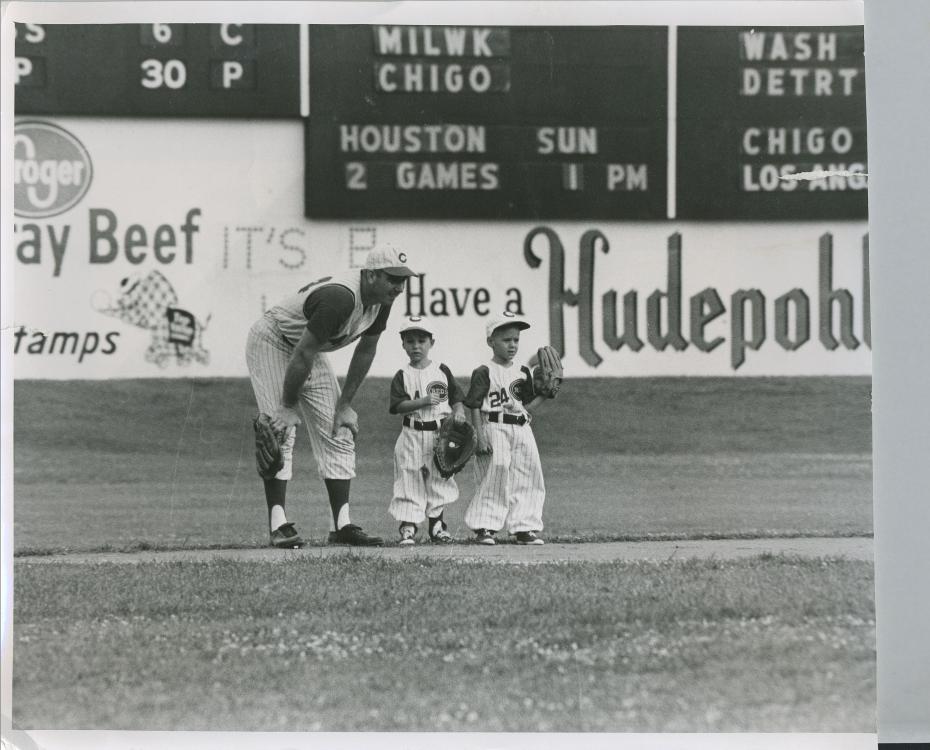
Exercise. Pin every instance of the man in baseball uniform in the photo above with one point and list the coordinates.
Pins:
(290, 372)
(511, 491)
(426, 393)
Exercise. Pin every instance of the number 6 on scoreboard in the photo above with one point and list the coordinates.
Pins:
(161, 35)
(158, 73)
(161, 32)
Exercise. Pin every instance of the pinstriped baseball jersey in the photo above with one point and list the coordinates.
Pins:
(292, 313)
(503, 388)
(511, 491)
(419, 490)
(412, 383)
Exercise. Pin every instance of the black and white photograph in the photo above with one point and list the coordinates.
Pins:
(439, 368)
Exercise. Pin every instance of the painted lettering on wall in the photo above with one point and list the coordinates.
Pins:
(665, 327)
(78, 344)
(440, 302)
(109, 240)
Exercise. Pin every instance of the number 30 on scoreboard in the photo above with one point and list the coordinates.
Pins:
(163, 73)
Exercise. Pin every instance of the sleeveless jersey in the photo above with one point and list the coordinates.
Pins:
(292, 322)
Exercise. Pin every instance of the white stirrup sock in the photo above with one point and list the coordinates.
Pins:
(277, 517)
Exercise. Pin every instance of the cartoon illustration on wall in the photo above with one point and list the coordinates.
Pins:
(150, 302)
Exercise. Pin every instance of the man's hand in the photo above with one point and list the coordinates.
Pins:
(345, 418)
(434, 399)
(458, 417)
(284, 418)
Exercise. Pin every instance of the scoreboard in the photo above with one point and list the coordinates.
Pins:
(757, 107)
(476, 122)
(158, 70)
(616, 123)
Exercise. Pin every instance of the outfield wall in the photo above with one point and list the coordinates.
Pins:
(208, 217)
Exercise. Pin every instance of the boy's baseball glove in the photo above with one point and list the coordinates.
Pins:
(267, 447)
(455, 444)
(547, 375)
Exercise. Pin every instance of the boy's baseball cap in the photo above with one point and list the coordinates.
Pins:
(505, 319)
(416, 324)
(389, 259)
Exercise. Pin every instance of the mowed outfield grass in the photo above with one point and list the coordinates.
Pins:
(169, 463)
(359, 643)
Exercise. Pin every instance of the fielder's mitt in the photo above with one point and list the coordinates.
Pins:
(455, 444)
(267, 447)
(547, 375)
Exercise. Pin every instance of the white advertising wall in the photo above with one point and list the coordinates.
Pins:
(147, 248)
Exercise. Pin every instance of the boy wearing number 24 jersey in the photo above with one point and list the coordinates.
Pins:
(511, 491)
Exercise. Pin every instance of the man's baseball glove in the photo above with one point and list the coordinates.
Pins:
(455, 444)
(547, 375)
(267, 447)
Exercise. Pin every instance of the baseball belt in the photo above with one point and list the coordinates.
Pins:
(499, 416)
(416, 424)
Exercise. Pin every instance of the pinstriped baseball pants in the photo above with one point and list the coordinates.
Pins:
(267, 355)
(511, 491)
(418, 493)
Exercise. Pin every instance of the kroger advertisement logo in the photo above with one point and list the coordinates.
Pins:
(52, 170)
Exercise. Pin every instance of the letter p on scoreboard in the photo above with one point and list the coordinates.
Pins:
(232, 74)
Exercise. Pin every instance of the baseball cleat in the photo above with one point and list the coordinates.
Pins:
(439, 535)
(528, 537)
(286, 537)
(483, 536)
(352, 535)
(407, 533)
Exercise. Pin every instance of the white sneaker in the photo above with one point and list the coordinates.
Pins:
(408, 533)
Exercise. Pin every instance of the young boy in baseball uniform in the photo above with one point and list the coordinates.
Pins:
(511, 491)
(426, 393)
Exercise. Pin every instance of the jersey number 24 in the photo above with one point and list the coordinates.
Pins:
(496, 398)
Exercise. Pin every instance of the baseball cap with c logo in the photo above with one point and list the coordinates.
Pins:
(389, 259)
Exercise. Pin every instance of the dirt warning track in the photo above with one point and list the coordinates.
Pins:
(853, 548)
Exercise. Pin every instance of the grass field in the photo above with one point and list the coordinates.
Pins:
(351, 642)
(767, 644)
(168, 463)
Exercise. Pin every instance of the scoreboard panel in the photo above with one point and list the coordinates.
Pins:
(481, 122)
(758, 106)
(474, 122)
(158, 70)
